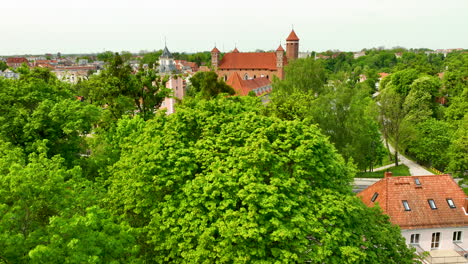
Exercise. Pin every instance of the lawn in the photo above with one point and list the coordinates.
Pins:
(400, 170)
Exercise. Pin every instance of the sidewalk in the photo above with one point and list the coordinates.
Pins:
(414, 168)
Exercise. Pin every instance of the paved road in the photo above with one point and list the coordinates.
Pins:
(414, 168)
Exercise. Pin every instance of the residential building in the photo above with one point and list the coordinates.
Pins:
(251, 65)
(186, 66)
(73, 74)
(9, 74)
(430, 210)
(177, 85)
(15, 62)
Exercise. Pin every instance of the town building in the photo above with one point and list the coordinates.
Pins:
(166, 62)
(258, 86)
(15, 62)
(9, 74)
(73, 74)
(178, 86)
(251, 65)
(432, 212)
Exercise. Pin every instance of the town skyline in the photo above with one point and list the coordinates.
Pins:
(88, 27)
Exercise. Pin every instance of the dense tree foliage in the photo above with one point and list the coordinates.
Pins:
(226, 179)
(337, 107)
(208, 85)
(121, 91)
(220, 182)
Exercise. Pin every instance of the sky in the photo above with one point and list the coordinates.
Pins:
(92, 26)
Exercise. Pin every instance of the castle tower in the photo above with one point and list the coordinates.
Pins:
(292, 46)
(215, 58)
(279, 57)
(280, 60)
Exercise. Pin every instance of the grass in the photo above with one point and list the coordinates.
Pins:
(400, 170)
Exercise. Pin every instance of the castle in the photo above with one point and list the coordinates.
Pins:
(252, 65)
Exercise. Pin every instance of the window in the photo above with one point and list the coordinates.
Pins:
(457, 236)
(406, 205)
(435, 240)
(432, 204)
(414, 239)
(374, 197)
(451, 203)
(246, 77)
(417, 181)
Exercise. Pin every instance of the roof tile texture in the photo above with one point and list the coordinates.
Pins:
(250, 60)
(393, 190)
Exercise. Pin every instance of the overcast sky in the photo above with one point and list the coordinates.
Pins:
(81, 26)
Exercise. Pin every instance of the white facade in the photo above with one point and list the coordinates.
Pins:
(445, 238)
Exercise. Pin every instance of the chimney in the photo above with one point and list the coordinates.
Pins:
(387, 174)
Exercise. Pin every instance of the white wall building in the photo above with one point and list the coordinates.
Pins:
(430, 210)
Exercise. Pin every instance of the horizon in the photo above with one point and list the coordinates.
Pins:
(86, 27)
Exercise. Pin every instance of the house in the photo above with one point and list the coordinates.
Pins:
(9, 74)
(186, 66)
(251, 65)
(430, 210)
(259, 86)
(73, 74)
(15, 62)
(359, 54)
(177, 85)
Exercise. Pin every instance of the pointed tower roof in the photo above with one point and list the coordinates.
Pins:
(215, 50)
(166, 53)
(235, 50)
(292, 36)
(280, 48)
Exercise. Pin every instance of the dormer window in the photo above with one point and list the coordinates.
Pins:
(406, 205)
(451, 203)
(417, 182)
(374, 197)
(432, 204)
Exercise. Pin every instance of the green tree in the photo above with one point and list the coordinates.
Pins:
(433, 137)
(38, 107)
(208, 85)
(219, 182)
(122, 92)
(3, 65)
(392, 115)
(457, 152)
(105, 56)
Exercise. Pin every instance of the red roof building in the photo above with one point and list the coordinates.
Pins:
(15, 62)
(252, 65)
(430, 210)
(259, 86)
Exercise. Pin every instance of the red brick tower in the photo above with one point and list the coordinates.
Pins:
(292, 46)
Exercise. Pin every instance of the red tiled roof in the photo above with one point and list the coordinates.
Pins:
(243, 87)
(393, 190)
(215, 50)
(17, 60)
(280, 48)
(383, 74)
(292, 36)
(250, 60)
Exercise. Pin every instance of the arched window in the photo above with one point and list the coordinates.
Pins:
(255, 76)
(246, 77)
(268, 77)
(225, 77)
